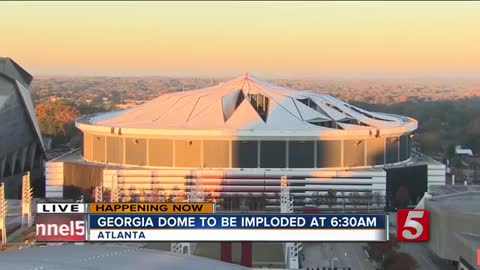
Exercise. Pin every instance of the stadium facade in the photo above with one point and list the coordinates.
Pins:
(237, 139)
(21, 147)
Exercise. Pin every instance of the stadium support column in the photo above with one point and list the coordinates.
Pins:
(291, 250)
(12, 163)
(98, 194)
(115, 193)
(246, 257)
(31, 159)
(27, 194)
(3, 215)
(23, 158)
(3, 163)
(226, 252)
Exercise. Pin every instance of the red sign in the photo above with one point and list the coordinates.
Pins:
(412, 225)
(60, 227)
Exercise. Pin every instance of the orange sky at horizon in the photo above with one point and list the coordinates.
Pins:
(229, 38)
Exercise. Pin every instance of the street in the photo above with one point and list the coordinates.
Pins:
(340, 255)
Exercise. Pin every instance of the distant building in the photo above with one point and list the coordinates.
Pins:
(463, 151)
(238, 138)
(126, 105)
(54, 98)
(21, 146)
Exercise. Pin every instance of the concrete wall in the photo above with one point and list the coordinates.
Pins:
(179, 152)
(160, 152)
(188, 153)
(303, 184)
(329, 154)
(216, 154)
(376, 151)
(353, 153)
(444, 225)
(136, 151)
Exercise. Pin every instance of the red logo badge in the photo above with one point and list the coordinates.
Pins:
(412, 225)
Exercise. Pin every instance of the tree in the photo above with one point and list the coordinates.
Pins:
(377, 198)
(227, 202)
(251, 201)
(142, 196)
(402, 197)
(175, 195)
(107, 194)
(158, 195)
(135, 195)
(235, 201)
(399, 261)
(331, 198)
(380, 250)
(209, 197)
(262, 201)
(130, 195)
(316, 199)
(115, 96)
(366, 198)
(57, 118)
(355, 198)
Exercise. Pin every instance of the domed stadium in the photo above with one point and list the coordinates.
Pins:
(237, 138)
(246, 123)
(21, 144)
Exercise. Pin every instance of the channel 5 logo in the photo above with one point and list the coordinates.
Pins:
(412, 225)
(60, 227)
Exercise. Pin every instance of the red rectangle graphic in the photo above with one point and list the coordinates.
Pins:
(60, 227)
(413, 225)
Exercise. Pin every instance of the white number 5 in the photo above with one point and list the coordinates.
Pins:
(411, 223)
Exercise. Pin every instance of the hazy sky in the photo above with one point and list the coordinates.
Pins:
(227, 38)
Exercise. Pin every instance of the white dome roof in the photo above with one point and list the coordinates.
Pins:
(247, 103)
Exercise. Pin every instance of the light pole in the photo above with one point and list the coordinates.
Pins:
(334, 259)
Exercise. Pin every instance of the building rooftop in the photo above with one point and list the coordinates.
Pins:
(438, 190)
(463, 151)
(104, 257)
(466, 202)
(472, 240)
(248, 103)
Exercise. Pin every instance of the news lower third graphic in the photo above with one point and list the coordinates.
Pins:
(237, 227)
(197, 222)
(413, 225)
